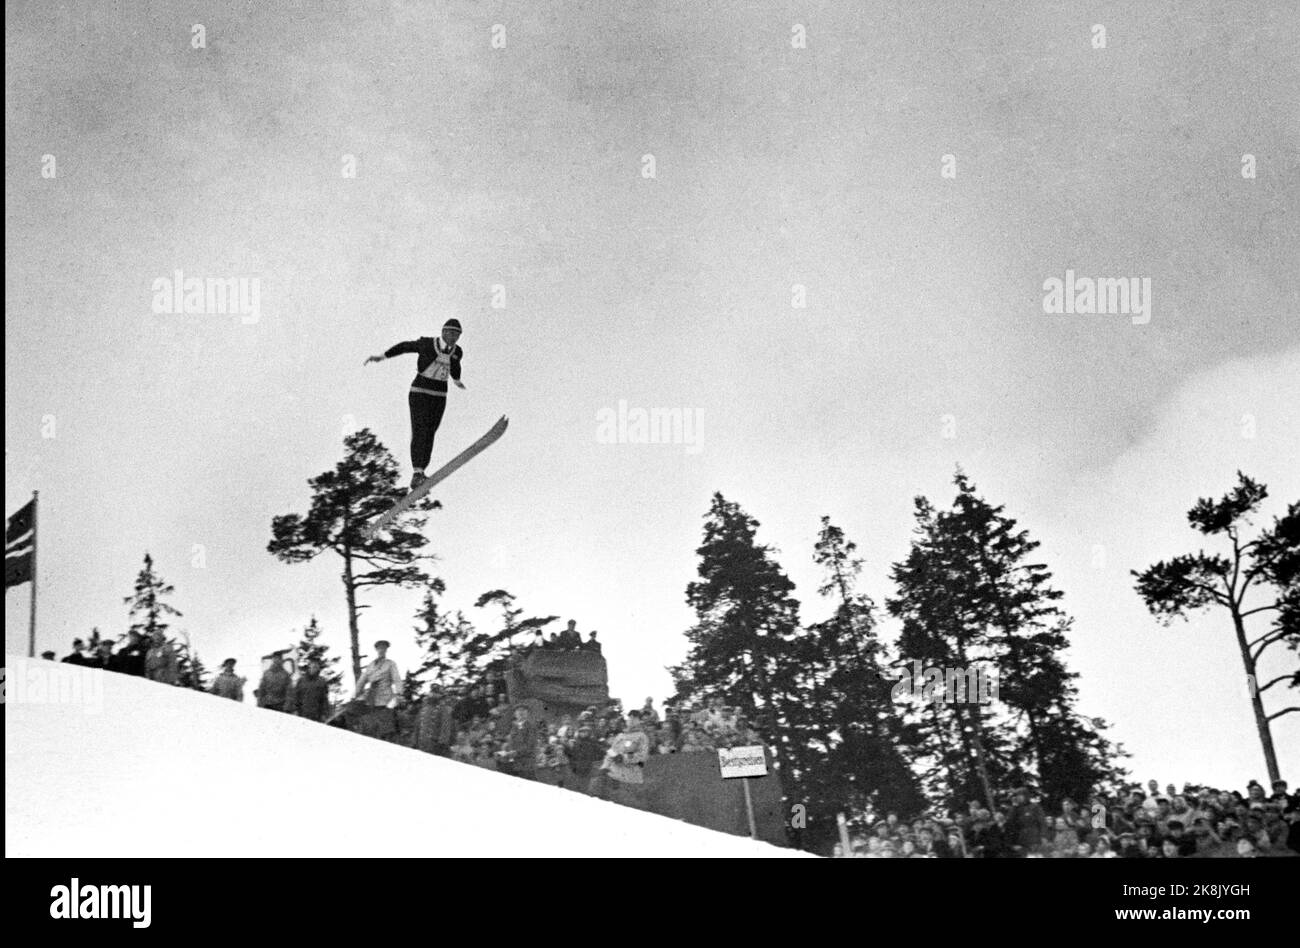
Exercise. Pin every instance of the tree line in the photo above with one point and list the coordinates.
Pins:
(968, 595)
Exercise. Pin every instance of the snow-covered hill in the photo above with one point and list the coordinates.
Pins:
(100, 764)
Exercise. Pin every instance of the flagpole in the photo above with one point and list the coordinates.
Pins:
(31, 634)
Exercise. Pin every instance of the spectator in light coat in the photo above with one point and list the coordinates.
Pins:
(227, 684)
(160, 662)
(381, 682)
(624, 761)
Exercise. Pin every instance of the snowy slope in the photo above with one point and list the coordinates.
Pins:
(99, 764)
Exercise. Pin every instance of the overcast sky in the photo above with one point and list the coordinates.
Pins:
(922, 345)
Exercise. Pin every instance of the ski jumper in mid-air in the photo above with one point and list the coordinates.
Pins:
(439, 359)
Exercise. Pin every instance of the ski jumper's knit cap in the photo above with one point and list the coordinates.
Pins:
(452, 324)
(382, 643)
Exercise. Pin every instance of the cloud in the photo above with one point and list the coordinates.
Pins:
(1177, 694)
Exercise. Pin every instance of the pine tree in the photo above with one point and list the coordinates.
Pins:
(1267, 566)
(490, 653)
(361, 486)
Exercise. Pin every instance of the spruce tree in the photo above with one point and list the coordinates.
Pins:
(866, 766)
(191, 672)
(744, 645)
(942, 630)
(149, 610)
(972, 600)
(310, 648)
(442, 637)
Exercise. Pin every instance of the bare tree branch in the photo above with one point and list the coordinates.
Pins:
(1259, 609)
(1287, 677)
(1265, 641)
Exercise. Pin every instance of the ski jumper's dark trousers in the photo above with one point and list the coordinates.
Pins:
(426, 416)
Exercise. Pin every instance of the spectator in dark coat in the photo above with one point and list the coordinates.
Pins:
(129, 659)
(1026, 824)
(444, 725)
(78, 656)
(520, 754)
(433, 724)
(273, 692)
(1185, 841)
(571, 638)
(476, 705)
(310, 697)
(584, 753)
(103, 657)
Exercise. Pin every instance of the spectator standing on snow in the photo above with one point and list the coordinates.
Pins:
(227, 684)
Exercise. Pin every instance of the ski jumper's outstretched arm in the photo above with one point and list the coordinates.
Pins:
(426, 349)
(402, 348)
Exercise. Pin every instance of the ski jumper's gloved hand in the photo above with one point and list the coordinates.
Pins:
(458, 383)
(373, 359)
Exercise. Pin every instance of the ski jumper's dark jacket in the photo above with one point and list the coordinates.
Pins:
(436, 362)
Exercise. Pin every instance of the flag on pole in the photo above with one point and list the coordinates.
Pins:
(20, 545)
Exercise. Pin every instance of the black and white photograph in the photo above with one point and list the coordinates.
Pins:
(582, 429)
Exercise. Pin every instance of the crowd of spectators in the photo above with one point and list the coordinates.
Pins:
(1133, 824)
(144, 656)
(602, 749)
(282, 688)
(568, 639)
